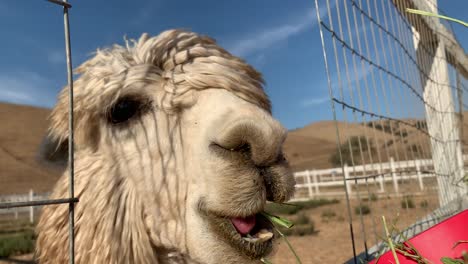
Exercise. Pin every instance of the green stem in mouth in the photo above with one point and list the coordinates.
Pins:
(278, 220)
(290, 246)
(284, 223)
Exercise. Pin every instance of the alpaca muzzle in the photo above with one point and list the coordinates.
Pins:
(258, 144)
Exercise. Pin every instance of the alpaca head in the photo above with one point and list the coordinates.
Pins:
(176, 152)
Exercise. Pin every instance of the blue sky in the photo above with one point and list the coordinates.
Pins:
(280, 38)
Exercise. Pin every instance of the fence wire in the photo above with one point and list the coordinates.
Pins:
(71, 200)
(397, 95)
(398, 98)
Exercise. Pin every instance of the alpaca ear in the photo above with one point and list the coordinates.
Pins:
(53, 152)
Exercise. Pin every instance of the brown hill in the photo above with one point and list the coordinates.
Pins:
(312, 146)
(306, 148)
(20, 136)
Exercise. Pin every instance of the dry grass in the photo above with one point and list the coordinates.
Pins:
(21, 133)
(332, 241)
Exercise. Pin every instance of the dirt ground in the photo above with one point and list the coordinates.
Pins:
(332, 242)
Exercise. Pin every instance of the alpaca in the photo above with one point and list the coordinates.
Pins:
(176, 155)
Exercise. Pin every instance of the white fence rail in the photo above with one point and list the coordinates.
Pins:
(331, 182)
(17, 211)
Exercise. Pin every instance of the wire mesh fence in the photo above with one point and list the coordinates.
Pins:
(397, 93)
(71, 200)
(397, 86)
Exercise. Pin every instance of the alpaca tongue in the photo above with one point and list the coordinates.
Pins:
(244, 225)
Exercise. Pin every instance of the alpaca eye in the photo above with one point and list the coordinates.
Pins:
(123, 110)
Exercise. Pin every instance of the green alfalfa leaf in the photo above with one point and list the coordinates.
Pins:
(446, 260)
(298, 260)
(278, 220)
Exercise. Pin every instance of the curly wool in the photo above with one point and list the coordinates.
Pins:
(175, 60)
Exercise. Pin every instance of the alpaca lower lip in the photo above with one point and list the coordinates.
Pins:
(255, 244)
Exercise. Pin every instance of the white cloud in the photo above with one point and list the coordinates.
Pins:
(22, 87)
(267, 37)
(259, 60)
(314, 101)
(56, 56)
(16, 96)
(144, 13)
(355, 76)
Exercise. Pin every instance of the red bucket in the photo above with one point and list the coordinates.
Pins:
(436, 242)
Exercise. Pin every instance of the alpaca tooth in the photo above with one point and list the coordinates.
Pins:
(264, 235)
(251, 239)
(261, 236)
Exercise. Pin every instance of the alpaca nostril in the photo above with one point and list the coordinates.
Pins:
(268, 182)
(240, 147)
(242, 150)
(278, 180)
(257, 140)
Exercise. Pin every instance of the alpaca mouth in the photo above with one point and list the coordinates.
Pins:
(253, 229)
(252, 235)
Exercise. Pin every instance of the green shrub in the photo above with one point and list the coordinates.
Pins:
(282, 209)
(295, 207)
(8, 225)
(328, 213)
(407, 203)
(362, 209)
(19, 243)
(304, 230)
(300, 230)
(351, 149)
(372, 197)
(315, 203)
(424, 204)
(301, 219)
